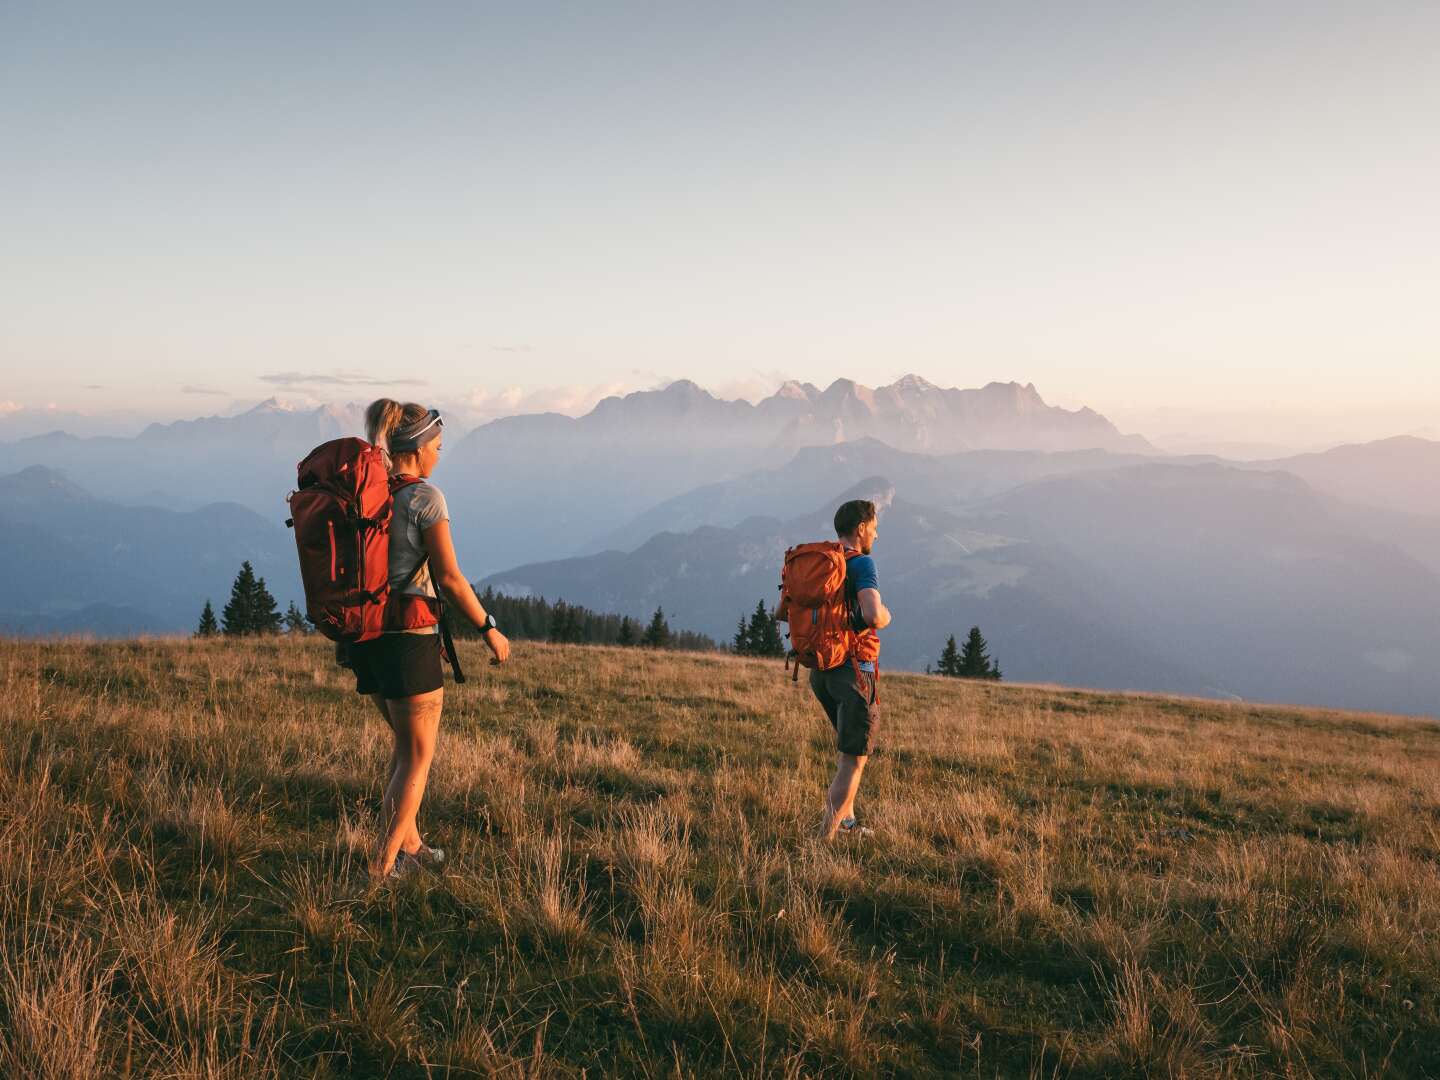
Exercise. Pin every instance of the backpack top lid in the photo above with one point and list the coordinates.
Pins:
(349, 468)
(814, 574)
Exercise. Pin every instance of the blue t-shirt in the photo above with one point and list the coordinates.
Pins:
(860, 569)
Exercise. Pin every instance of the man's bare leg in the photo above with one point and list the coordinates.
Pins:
(840, 798)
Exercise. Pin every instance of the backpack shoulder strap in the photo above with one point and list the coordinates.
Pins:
(398, 482)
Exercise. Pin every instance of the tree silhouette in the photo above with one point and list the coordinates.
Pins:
(566, 623)
(295, 620)
(533, 618)
(975, 662)
(765, 633)
(949, 663)
(760, 634)
(626, 634)
(657, 634)
(251, 609)
(742, 638)
(208, 626)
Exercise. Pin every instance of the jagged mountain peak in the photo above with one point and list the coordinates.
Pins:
(685, 388)
(844, 391)
(275, 405)
(796, 391)
(913, 383)
(679, 401)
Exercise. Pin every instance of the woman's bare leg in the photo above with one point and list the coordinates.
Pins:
(387, 805)
(416, 722)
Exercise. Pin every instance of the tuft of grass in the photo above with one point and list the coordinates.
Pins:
(53, 998)
(1061, 884)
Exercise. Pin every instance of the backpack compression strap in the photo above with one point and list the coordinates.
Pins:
(446, 641)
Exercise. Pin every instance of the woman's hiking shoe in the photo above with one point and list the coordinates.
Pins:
(853, 828)
(431, 858)
(403, 868)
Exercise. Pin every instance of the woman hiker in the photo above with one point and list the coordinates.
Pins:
(400, 669)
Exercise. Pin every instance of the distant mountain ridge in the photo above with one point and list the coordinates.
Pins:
(272, 419)
(1193, 578)
(909, 414)
(72, 562)
(1401, 473)
(947, 481)
(587, 476)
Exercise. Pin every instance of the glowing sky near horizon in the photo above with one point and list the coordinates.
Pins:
(1215, 208)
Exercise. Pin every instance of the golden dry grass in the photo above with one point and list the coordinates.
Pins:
(1061, 884)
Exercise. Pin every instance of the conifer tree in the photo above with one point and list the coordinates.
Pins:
(251, 609)
(974, 660)
(742, 638)
(236, 618)
(295, 620)
(561, 622)
(764, 633)
(626, 635)
(208, 626)
(949, 663)
(657, 634)
(266, 614)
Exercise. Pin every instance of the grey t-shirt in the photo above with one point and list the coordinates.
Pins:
(417, 507)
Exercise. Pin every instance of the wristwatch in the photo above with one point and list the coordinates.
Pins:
(488, 624)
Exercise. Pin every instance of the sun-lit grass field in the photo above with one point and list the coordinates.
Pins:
(1060, 884)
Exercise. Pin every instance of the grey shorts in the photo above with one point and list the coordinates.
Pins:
(851, 706)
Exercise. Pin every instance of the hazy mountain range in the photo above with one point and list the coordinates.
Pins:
(1085, 556)
(546, 485)
(1197, 578)
(72, 562)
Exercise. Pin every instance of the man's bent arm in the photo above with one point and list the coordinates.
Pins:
(873, 609)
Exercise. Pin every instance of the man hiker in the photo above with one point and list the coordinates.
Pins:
(846, 691)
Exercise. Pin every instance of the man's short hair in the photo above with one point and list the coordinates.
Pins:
(852, 515)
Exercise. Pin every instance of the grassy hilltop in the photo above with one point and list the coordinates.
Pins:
(1062, 884)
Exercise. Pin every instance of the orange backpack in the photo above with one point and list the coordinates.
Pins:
(817, 606)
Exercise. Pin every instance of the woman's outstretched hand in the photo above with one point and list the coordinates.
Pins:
(499, 645)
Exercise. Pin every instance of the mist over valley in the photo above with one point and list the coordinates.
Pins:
(1087, 556)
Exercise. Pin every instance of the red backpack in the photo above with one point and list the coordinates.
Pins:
(819, 607)
(341, 512)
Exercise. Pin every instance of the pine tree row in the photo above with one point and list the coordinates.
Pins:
(760, 636)
(533, 618)
(251, 610)
(969, 661)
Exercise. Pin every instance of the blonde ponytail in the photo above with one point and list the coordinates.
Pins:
(385, 415)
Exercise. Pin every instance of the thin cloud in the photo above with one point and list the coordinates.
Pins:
(755, 388)
(8, 407)
(511, 348)
(514, 401)
(192, 389)
(337, 378)
(94, 386)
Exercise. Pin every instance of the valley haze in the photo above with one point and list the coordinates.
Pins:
(1088, 556)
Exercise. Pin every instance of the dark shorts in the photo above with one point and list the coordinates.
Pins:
(851, 706)
(397, 665)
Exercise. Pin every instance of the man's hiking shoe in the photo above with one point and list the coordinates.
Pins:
(852, 827)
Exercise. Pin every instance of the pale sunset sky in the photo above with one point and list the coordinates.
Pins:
(1217, 217)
